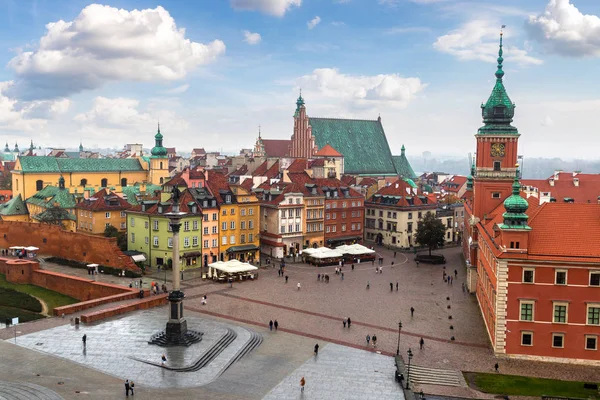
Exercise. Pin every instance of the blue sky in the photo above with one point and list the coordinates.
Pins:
(106, 73)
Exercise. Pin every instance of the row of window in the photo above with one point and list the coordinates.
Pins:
(39, 184)
(155, 241)
(558, 340)
(83, 213)
(344, 204)
(205, 217)
(333, 228)
(560, 276)
(315, 202)
(243, 212)
(314, 214)
(391, 214)
(89, 226)
(560, 313)
(242, 239)
(314, 227)
(291, 212)
(232, 225)
(290, 228)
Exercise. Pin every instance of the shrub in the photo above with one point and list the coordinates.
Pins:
(103, 268)
(12, 298)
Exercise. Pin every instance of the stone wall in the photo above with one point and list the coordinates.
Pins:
(54, 241)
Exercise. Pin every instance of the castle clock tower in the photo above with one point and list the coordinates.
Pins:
(497, 142)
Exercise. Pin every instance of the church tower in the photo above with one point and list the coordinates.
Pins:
(259, 146)
(159, 162)
(497, 142)
(303, 141)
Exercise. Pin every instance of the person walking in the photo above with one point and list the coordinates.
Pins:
(84, 339)
(342, 276)
(412, 312)
(394, 254)
(271, 325)
(349, 322)
(286, 278)
(302, 383)
(455, 273)
(421, 343)
(368, 339)
(396, 286)
(496, 366)
(164, 360)
(298, 285)
(127, 387)
(345, 321)
(318, 277)
(317, 349)
(352, 266)
(131, 386)
(391, 287)
(368, 284)
(374, 339)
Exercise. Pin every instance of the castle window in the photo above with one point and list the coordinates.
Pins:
(83, 182)
(39, 185)
(104, 182)
(496, 165)
(162, 180)
(123, 182)
(161, 165)
(495, 195)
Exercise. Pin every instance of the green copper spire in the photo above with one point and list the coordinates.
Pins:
(80, 146)
(158, 151)
(299, 104)
(402, 150)
(16, 150)
(499, 110)
(470, 177)
(31, 146)
(516, 206)
(6, 149)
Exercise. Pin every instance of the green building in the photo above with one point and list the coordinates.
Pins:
(149, 232)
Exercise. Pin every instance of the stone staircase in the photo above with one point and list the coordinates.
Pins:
(255, 341)
(211, 353)
(26, 391)
(435, 376)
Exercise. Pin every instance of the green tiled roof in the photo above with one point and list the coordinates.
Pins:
(60, 214)
(62, 165)
(362, 143)
(403, 167)
(133, 191)
(50, 195)
(14, 206)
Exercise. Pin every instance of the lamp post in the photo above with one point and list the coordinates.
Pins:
(399, 332)
(176, 332)
(410, 356)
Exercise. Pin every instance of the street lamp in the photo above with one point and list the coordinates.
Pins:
(410, 356)
(399, 332)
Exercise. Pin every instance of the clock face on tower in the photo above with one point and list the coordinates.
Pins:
(498, 149)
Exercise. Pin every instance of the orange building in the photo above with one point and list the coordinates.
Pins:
(535, 268)
(101, 210)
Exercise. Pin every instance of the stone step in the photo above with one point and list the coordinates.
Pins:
(436, 376)
(211, 353)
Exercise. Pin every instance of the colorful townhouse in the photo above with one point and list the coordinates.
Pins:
(149, 232)
(100, 211)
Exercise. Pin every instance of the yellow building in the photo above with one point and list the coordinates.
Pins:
(53, 205)
(238, 219)
(101, 210)
(32, 173)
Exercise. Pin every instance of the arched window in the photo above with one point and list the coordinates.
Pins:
(123, 182)
(104, 182)
(39, 185)
(83, 182)
(162, 180)
(161, 165)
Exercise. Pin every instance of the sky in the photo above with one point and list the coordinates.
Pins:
(213, 71)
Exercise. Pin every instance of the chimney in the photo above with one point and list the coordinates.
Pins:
(556, 174)
(576, 182)
(551, 181)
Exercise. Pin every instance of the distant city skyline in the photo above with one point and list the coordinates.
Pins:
(212, 72)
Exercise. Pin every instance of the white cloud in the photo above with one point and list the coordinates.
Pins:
(563, 29)
(313, 22)
(252, 38)
(104, 44)
(179, 89)
(360, 90)
(122, 116)
(28, 116)
(338, 23)
(277, 8)
(547, 121)
(478, 40)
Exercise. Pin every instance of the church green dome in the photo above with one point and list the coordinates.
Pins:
(158, 150)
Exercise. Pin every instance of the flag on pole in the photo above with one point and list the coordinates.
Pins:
(503, 26)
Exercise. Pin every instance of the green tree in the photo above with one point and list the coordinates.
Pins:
(431, 232)
(111, 231)
(53, 216)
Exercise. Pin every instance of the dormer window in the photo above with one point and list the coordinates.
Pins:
(160, 209)
(228, 198)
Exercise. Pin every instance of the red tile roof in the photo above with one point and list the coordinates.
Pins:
(247, 184)
(186, 197)
(587, 191)
(177, 180)
(240, 171)
(328, 151)
(454, 184)
(319, 162)
(199, 151)
(217, 181)
(348, 179)
(262, 168)
(276, 147)
(273, 172)
(299, 165)
(104, 201)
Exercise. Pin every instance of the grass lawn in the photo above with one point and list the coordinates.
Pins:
(52, 299)
(14, 299)
(526, 386)
(24, 315)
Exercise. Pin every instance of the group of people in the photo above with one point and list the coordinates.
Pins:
(347, 321)
(156, 290)
(323, 277)
(129, 386)
(372, 339)
(273, 325)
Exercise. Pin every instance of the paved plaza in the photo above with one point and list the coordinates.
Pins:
(307, 316)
